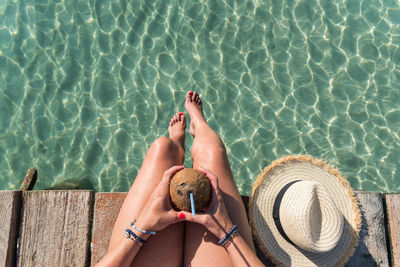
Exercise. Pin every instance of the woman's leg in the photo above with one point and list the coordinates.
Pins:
(165, 248)
(208, 151)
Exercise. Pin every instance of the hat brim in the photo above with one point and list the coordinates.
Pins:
(265, 191)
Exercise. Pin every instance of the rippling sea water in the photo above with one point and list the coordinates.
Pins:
(87, 86)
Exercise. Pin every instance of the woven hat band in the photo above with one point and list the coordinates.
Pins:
(309, 217)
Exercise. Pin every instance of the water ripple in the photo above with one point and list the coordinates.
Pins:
(86, 87)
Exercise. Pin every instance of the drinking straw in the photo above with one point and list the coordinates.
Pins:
(192, 204)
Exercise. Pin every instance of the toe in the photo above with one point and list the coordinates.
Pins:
(189, 96)
(195, 95)
(196, 98)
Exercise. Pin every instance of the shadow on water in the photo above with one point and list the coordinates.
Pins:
(72, 184)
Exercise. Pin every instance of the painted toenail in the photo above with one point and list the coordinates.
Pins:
(190, 93)
(181, 113)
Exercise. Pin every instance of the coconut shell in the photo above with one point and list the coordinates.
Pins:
(186, 181)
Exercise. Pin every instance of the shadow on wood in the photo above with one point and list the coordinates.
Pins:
(371, 250)
(392, 202)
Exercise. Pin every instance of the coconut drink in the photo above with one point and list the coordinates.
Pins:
(188, 181)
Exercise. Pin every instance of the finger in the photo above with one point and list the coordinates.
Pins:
(171, 171)
(168, 174)
(173, 216)
(212, 177)
(207, 172)
(216, 196)
(187, 216)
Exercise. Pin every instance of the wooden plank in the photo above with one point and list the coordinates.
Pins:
(392, 202)
(371, 250)
(106, 209)
(55, 228)
(10, 203)
(29, 181)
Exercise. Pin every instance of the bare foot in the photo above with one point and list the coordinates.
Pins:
(177, 128)
(195, 109)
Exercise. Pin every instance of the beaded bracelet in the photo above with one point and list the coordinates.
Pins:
(233, 235)
(129, 234)
(228, 237)
(143, 231)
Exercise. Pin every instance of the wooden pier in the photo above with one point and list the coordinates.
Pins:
(72, 228)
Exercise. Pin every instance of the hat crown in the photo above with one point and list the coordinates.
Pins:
(309, 217)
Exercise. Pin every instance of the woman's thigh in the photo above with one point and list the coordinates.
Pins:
(206, 250)
(165, 248)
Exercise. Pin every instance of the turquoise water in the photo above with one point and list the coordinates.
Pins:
(87, 86)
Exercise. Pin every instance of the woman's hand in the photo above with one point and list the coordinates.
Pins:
(157, 214)
(216, 218)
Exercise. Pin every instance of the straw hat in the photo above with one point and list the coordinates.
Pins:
(303, 213)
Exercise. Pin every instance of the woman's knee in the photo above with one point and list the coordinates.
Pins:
(166, 147)
(163, 144)
(210, 152)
